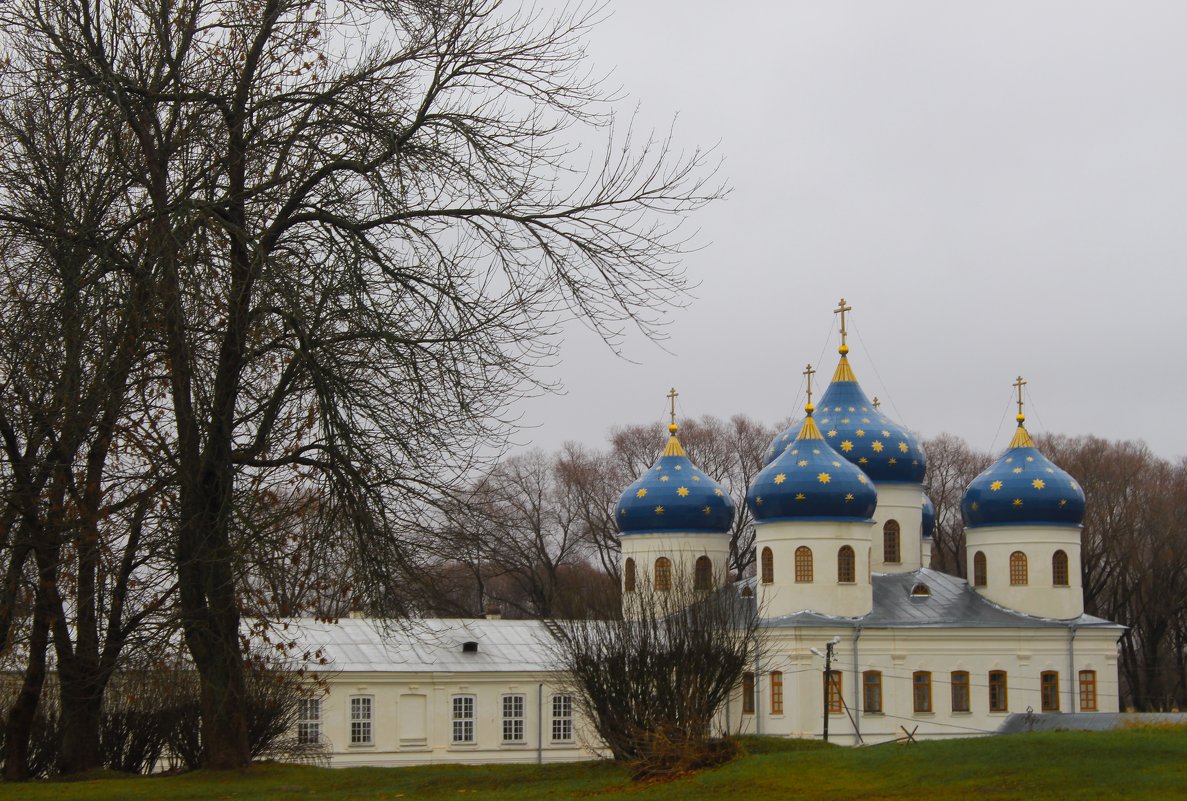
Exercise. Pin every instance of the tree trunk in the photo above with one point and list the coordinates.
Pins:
(82, 702)
(24, 709)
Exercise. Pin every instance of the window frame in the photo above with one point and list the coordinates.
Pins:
(834, 686)
(846, 565)
(562, 718)
(748, 693)
(767, 576)
(871, 692)
(1019, 569)
(628, 575)
(662, 574)
(702, 574)
(961, 691)
(1049, 691)
(892, 543)
(515, 717)
(308, 720)
(361, 711)
(980, 570)
(921, 692)
(804, 569)
(999, 691)
(776, 692)
(463, 719)
(1060, 568)
(1088, 699)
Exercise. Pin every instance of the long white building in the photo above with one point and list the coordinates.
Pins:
(842, 540)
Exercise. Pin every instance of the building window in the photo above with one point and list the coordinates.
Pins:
(998, 694)
(663, 574)
(980, 573)
(360, 720)
(776, 692)
(803, 564)
(703, 574)
(1087, 690)
(463, 718)
(1050, 690)
(960, 691)
(513, 706)
(833, 684)
(921, 690)
(1059, 569)
(1018, 577)
(768, 566)
(871, 692)
(891, 553)
(846, 565)
(747, 693)
(628, 575)
(308, 721)
(562, 718)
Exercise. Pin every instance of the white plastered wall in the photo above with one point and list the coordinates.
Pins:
(902, 503)
(682, 549)
(1039, 596)
(825, 593)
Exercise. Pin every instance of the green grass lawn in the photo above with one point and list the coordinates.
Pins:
(1138, 763)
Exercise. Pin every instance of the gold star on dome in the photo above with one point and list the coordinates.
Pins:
(852, 409)
(707, 510)
(717, 491)
(815, 451)
(832, 433)
(1017, 469)
(995, 486)
(824, 478)
(863, 479)
(1038, 483)
(846, 446)
(885, 433)
(863, 460)
(802, 463)
(1050, 469)
(860, 432)
(682, 492)
(1017, 501)
(1062, 502)
(902, 446)
(849, 497)
(795, 452)
(678, 467)
(663, 478)
(659, 510)
(1075, 486)
(893, 460)
(974, 506)
(786, 437)
(844, 419)
(779, 479)
(641, 493)
(865, 420)
(799, 496)
(758, 501)
(1030, 458)
(824, 421)
(1009, 459)
(836, 408)
(696, 478)
(836, 464)
(877, 446)
(622, 511)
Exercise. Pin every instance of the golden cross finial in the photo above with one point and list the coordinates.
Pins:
(877, 402)
(808, 371)
(672, 395)
(841, 309)
(1019, 384)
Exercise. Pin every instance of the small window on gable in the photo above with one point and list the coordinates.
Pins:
(1059, 575)
(768, 566)
(1018, 571)
(920, 591)
(980, 572)
(663, 574)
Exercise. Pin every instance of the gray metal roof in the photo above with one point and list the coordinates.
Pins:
(951, 603)
(428, 645)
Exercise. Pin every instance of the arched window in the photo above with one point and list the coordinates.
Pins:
(768, 566)
(1059, 569)
(803, 564)
(891, 553)
(1018, 577)
(776, 692)
(846, 565)
(628, 575)
(663, 573)
(703, 574)
(979, 571)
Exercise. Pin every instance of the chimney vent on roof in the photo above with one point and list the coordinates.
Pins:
(469, 647)
(494, 613)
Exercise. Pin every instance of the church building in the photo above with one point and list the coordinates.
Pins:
(860, 637)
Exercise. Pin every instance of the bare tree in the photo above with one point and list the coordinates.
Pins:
(951, 467)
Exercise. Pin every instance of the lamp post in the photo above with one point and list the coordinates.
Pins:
(828, 671)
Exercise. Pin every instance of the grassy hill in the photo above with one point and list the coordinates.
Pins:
(1139, 763)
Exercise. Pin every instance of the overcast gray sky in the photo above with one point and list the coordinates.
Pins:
(997, 188)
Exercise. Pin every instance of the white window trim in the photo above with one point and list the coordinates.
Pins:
(307, 722)
(472, 719)
(370, 720)
(521, 718)
(561, 719)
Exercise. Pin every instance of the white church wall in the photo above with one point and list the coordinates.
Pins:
(825, 592)
(682, 549)
(1039, 595)
(901, 503)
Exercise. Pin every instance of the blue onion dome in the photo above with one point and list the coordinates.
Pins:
(809, 480)
(885, 451)
(1023, 487)
(674, 495)
(929, 518)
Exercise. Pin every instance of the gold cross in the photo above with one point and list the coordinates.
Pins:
(841, 309)
(1019, 384)
(877, 402)
(672, 397)
(808, 371)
